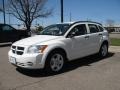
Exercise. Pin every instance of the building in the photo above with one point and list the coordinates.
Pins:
(114, 28)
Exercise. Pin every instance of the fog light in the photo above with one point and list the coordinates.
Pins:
(29, 63)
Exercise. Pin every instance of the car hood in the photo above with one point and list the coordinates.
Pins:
(37, 39)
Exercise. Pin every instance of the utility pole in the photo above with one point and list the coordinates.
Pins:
(62, 17)
(4, 11)
(9, 18)
(70, 17)
(9, 15)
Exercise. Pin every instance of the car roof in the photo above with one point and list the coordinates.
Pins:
(3, 24)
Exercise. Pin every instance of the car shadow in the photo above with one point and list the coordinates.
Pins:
(69, 66)
(5, 45)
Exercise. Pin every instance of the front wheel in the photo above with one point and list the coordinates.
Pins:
(103, 50)
(55, 61)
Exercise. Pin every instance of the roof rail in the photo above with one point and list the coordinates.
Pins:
(87, 21)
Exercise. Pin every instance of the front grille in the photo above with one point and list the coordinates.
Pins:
(20, 48)
(13, 47)
(17, 50)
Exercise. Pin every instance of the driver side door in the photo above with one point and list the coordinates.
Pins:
(8, 33)
(78, 39)
(1, 35)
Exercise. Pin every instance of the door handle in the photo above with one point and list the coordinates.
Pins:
(100, 34)
(87, 37)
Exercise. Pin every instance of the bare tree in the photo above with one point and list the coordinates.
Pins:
(1, 10)
(28, 10)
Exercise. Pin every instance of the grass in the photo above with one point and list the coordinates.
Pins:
(115, 42)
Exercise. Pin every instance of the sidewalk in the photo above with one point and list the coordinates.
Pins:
(114, 49)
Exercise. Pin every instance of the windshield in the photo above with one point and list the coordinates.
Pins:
(55, 30)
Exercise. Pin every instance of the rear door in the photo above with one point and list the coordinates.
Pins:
(94, 38)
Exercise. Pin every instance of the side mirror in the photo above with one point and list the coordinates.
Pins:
(71, 35)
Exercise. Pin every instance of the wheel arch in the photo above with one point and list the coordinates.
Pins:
(105, 42)
(57, 49)
(45, 57)
(101, 50)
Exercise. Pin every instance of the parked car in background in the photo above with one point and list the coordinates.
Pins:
(10, 34)
(59, 43)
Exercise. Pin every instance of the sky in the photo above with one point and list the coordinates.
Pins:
(95, 10)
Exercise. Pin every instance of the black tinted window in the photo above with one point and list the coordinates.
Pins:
(93, 28)
(79, 30)
(7, 28)
(101, 28)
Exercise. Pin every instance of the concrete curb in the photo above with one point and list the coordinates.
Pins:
(114, 49)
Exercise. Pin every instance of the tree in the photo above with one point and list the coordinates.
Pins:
(28, 10)
(40, 28)
(1, 10)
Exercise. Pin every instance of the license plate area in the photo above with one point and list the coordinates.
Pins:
(13, 60)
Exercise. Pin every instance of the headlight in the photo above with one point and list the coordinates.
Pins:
(37, 49)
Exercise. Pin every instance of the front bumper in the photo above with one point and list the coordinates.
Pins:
(28, 61)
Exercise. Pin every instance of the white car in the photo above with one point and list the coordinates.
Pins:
(59, 43)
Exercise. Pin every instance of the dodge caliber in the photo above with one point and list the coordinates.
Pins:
(59, 43)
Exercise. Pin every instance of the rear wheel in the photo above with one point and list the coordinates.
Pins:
(55, 61)
(103, 50)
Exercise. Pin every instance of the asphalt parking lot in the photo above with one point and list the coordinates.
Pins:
(90, 73)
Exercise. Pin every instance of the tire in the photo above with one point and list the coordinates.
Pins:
(29, 34)
(103, 50)
(55, 61)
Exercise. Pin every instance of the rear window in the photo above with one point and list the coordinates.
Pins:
(101, 28)
(93, 28)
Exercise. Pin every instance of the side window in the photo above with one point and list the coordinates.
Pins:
(79, 30)
(7, 28)
(93, 28)
(101, 28)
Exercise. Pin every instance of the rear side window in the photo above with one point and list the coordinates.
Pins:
(93, 28)
(101, 28)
